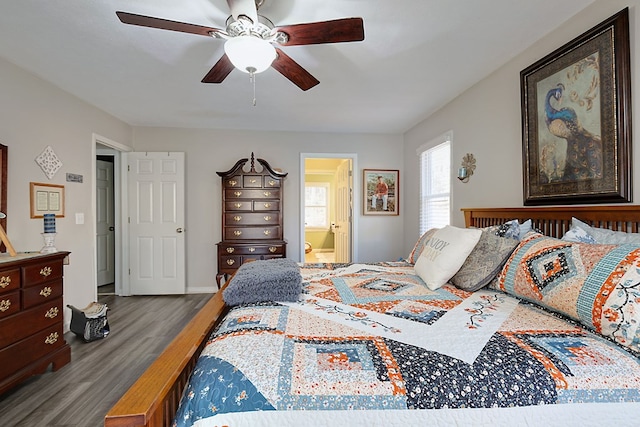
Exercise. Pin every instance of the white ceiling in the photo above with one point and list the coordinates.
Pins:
(417, 56)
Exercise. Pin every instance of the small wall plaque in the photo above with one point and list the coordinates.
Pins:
(72, 177)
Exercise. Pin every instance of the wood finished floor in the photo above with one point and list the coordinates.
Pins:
(81, 393)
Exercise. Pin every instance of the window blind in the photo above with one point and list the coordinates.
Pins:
(435, 186)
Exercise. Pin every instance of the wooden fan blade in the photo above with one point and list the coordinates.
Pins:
(220, 71)
(293, 71)
(336, 31)
(165, 24)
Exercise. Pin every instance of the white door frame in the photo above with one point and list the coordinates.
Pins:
(121, 234)
(355, 195)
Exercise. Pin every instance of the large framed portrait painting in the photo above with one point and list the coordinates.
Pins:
(576, 119)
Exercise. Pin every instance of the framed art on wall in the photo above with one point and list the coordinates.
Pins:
(381, 192)
(576, 119)
(46, 199)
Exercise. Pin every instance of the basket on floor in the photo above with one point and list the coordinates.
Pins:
(90, 323)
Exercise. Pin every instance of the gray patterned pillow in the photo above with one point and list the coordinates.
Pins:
(484, 262)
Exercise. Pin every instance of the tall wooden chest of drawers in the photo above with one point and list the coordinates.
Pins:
(31, 312)
(251, 216)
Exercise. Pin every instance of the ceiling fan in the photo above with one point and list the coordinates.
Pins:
(251, 39)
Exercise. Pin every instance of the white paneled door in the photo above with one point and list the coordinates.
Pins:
(344, 208)
(105, 223)
(156, 223)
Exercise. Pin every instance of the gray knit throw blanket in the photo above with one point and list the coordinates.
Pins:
(275, 279)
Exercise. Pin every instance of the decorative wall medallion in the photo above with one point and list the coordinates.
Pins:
(49, 162)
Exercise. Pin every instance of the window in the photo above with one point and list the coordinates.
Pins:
(316, 205)
(435, 185)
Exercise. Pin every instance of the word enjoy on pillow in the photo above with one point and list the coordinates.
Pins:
(597, 285)
(444, 254)
(420, 244)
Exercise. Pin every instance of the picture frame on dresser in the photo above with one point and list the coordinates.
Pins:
(576, 119)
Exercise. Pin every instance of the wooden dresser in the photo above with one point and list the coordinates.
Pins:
(251, 216)
(31, 316)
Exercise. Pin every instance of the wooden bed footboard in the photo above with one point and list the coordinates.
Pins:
(153, 399)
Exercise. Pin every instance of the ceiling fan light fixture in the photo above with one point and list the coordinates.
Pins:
(250, 54)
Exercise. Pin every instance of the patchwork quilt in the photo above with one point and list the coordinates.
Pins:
(369, 340)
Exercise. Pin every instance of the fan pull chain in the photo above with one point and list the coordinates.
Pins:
(252, 77)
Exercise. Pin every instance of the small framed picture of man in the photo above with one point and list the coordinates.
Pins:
(381, 192)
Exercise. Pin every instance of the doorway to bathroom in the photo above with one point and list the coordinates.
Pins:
(328, 208)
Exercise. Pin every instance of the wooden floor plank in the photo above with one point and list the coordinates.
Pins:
(81, 393)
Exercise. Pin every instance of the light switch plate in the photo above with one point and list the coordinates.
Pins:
(79, 218)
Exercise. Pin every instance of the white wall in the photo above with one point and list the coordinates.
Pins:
(485, 121)
(208, 151)
(33, 115)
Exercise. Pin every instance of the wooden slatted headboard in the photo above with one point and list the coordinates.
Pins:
(556, 220)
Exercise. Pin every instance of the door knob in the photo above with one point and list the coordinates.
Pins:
(179, 230)
(111, 228)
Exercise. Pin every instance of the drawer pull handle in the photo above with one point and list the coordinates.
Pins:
(272, 182)
(267, 205)
(230, 262)
(237, 232)
(5, 304)
(230, 250)
(51, 313)
(266, 232)
(52, 338)
(45, 272)
(272, 249)
(5, 281)
(233, 183)
(237, 193)
(267, 218)
(252, 249)
(253, 181)
(237, 218)
(238, 205)
(46, 291)
(267, 193)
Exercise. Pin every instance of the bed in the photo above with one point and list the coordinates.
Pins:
(555, 349)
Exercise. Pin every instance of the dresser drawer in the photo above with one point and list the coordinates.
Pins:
(42, 272)
(240, 193)
(252, 249)
(266, 218)
(266, 205)
(9, 304)
(233, 182)
(28, 322)
(252, 233)
(42, 293)
(238, 206)
(230, 261)
(270, 182)
(23, 353)
(252, 181)
(9, 280)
